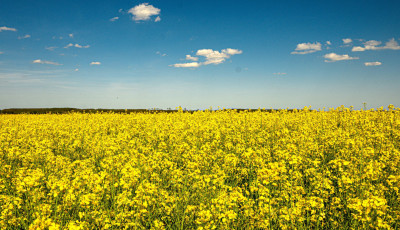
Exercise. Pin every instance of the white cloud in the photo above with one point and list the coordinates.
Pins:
(376, 63)
(143, 12)
(95, 63)
(280, 73)
(157, 19)
(76, 45)
(114, 19)
(332, 57)
(329, 43)
(188, 57)
(231, 51)
(347, 40)
(76, 70)
(392, 45)
(71, 35)
(374, 45)
(38, 61)
(1, 52)
(307, 48)
(211, 57)
(24, 37)
(5, 28)
(215, 57)
(51, 48)
(357, 49)
(187, 65)
(368, 45)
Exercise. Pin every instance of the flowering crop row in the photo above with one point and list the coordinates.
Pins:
(206, 170)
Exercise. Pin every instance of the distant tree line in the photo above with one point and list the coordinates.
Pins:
(75, 110)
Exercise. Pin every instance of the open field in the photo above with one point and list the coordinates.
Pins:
(202, 170)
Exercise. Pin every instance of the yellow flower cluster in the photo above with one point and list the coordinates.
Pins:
(301, 169)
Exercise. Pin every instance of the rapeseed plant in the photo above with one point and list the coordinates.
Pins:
(301, 169)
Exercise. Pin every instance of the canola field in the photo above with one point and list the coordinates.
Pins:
(306, 169)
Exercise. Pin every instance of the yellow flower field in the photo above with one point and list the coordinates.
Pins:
(223, 169)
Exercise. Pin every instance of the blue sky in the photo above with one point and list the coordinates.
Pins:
(197, 54)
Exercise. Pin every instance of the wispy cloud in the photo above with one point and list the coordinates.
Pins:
(76, 45)
(374, 45)
(5, 28)
(307, 48)
(332, 57)
(51, 48)
(71, 35)
(279, 73)
(60, 37)
(328, 43)
(375, 63)
(114, 19)
(187, 65)
(29, 76)
(161, 54)
(95, 63)
(24, 37)
(1, 52)
(18, 77)
(211, 57)
(38, 61)
(12, 75)
(143, 12)
(157, 19)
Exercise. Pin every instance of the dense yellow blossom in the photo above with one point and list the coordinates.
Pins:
(301, 169)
